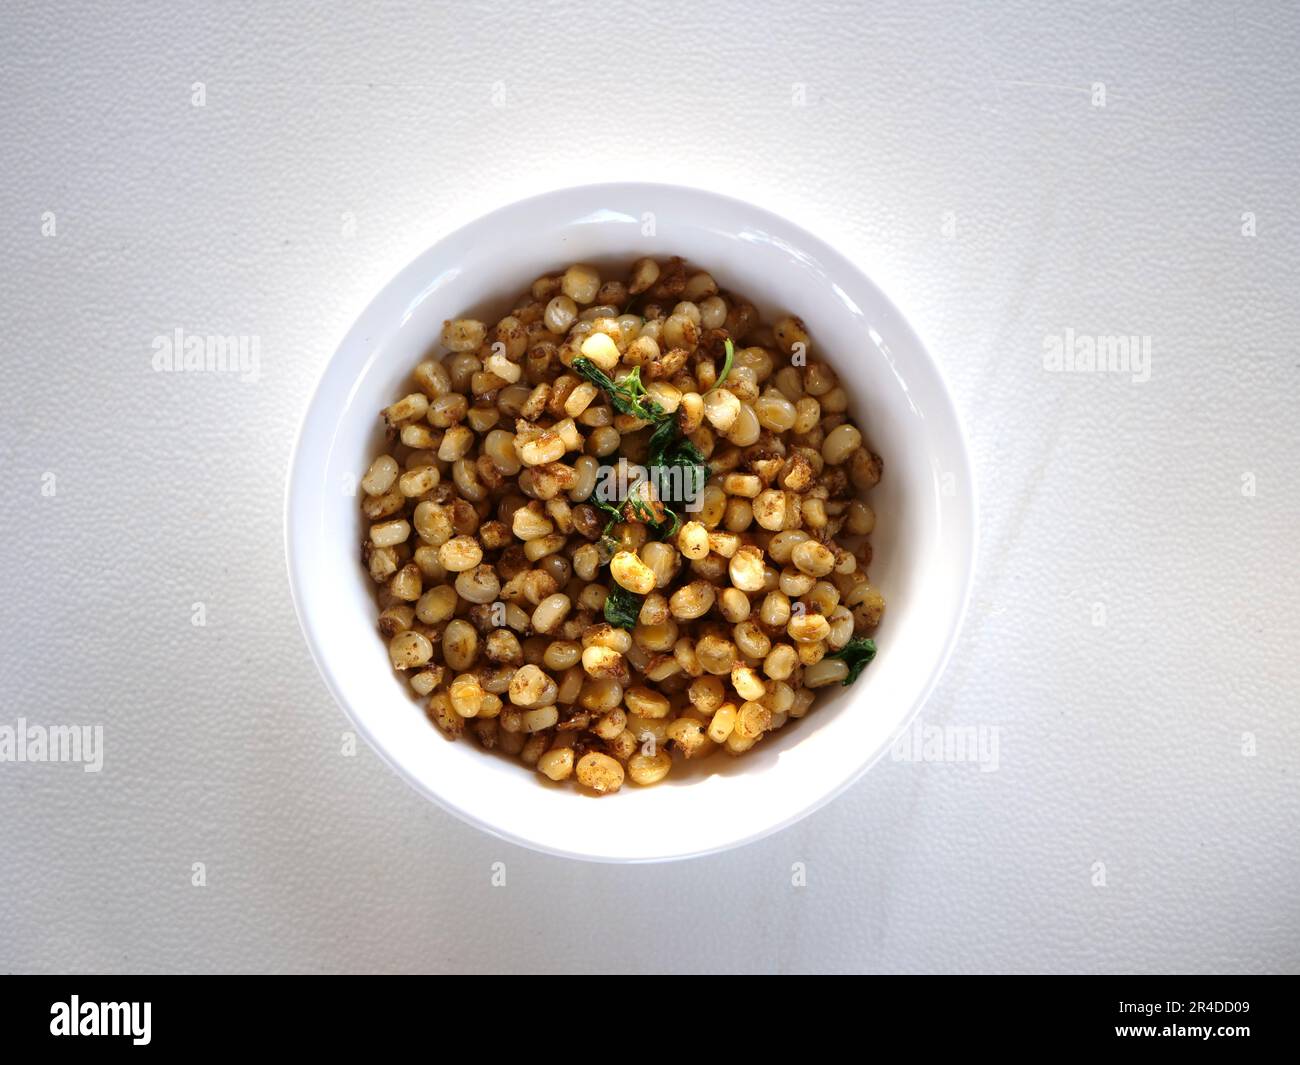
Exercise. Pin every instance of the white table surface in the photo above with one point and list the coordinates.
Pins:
(334, 145)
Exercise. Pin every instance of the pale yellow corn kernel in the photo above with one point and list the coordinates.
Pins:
(600, 694)
(713, 504)
(688, 736)
(586, 561)
(534, 747)
(692, 600)
(713, 312)
(808, 628)
(409, 649)
(693, 540)
(780, 661)
(752, 720)
(662, 560)
(418, 481)
(747, 429)
(599, 772)
(841, 623)
(383, 506)
(380, 477)
(466, 695)
(502, 367)
(747, 569)
(649, 731)
(602, 662)
(560, 314)
(538, 549)
(540, 718)
(464, 334)
(407, 409)
(795, 583)
(739, 515)
(529, 688)
(659, 638)
(690, 415)
(465, 476)
(433, 523)
(459, 644)
(478, 585)
(790, 331)
(654, 609)
(775, 610)
(550, 612)
(531, 522)
(668, 396)
(662, 667)
(604, 634)
(633, 574)
(436, 605)
(567, 431)
(396, 619)
(580, 283)
(818, 379)
(715, 655)
(580, 399)
(770, 508)
(808, 414)
(562, 655)
(859, 519)
(460, 553)
(604, 440)
(424, 682)
(647, 769)
(827, 671)
(782, 545)
(734, 605)
(389, 533)
(840, 444)
(775, 413)
(499, 446)
(557, 763)
(814, 513)
(813, 558)
(645, 272)
(406, 583)
(722, 409)
(723, 722)
(601, 350)
(611, 724)
(706, 693)
(742, 484)
(645, 702)
(725, 544)
(546, 447)
(751, 640)
(456, 443)
(748, 684)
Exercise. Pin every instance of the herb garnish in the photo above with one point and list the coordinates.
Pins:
(726, 365)
(628, 396)
(622, 607)
(857, 654)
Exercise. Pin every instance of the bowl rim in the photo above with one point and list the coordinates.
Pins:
(826, 252)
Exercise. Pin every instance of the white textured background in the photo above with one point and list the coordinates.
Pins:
(1120, 743)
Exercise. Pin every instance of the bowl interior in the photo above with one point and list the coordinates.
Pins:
(923, 542)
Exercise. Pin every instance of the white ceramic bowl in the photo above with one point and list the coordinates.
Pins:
(924, 540)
